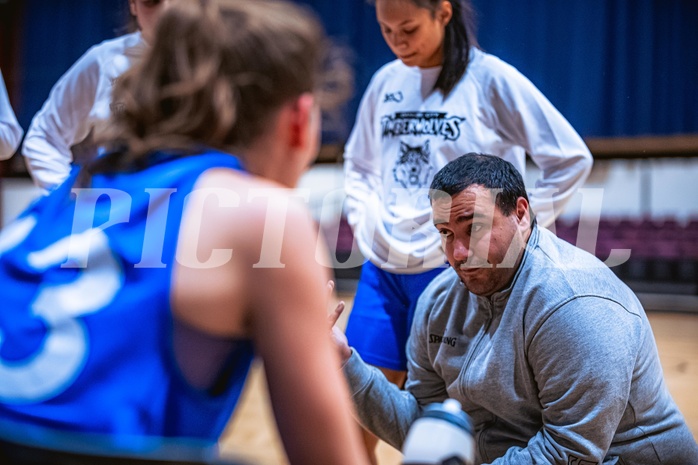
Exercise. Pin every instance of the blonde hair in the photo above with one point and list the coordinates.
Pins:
(216, 73)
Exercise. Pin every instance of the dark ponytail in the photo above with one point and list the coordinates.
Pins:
(460, 36)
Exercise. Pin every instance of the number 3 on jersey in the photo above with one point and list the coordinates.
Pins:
(63, 352)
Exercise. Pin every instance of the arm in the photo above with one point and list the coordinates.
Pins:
(526, 118)
(280, 301)
(583, 357)
(309, 396)
(61, 123)
(10, 130)
(362, 164)
(383, 408)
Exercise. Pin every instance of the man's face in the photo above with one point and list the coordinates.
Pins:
(481, 244)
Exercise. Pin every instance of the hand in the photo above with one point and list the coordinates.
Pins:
(338, 336)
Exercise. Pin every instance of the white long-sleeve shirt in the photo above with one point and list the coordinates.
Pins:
(405, 133)
(79, 102)
(10, 130)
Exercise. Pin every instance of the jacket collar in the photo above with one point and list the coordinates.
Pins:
(500, 298)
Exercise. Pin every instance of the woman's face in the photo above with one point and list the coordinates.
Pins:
(414, 34)
(147, 13)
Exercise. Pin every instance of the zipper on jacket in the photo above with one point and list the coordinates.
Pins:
(480, 337)
(464, 377)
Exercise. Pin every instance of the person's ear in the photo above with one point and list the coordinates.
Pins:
(132, 8)
(302, 114)
(523, 214)
(445, 12)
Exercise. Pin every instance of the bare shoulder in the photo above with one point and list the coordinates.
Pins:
(248, 207)
(240, 235)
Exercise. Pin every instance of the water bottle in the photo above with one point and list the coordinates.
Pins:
(443, 435)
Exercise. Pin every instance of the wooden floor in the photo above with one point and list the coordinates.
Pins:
(252, 434)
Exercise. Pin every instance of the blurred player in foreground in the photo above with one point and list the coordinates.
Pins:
(136, 294)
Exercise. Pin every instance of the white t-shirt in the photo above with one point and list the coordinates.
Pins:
(79, 101)
(10, 130)
(404, 133)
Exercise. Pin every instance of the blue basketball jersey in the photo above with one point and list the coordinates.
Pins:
(85, 319)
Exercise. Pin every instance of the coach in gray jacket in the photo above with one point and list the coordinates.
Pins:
(550, 354)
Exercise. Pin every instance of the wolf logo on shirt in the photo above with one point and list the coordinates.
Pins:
(412, 170)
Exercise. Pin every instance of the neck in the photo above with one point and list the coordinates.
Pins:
(269, 165)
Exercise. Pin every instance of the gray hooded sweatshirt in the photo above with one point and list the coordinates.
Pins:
(559, 368)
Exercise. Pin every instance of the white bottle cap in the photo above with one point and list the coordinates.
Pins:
(452, 406)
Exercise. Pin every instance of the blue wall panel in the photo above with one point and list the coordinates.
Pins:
(612, 67)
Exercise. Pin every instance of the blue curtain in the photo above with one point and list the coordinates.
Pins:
(55, 33)
(612, 67)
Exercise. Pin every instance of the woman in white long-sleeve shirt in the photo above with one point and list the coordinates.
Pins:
(10, 130)
(81, 100)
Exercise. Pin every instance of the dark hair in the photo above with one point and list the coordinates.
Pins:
(459, 38)
(485, 170)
